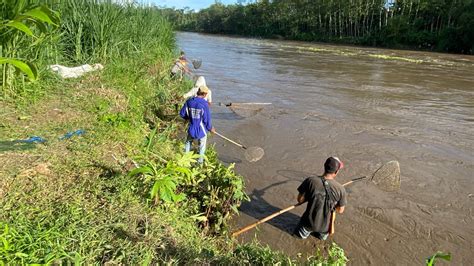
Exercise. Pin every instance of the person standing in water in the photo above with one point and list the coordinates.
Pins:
(324, 195)
(196, 111)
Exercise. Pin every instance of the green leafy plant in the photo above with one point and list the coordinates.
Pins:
(430, 261)
(335, 256)
(211, 193)
(166, 179)
(22, 19)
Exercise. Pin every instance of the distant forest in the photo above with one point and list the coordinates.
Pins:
(438, 25)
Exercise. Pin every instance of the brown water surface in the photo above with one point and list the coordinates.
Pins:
(367, 106)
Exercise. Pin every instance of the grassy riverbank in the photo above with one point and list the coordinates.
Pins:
(121, 191)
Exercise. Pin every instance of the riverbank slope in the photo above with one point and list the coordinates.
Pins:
(92, 169)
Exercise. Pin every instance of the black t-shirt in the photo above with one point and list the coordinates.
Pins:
(318, 211)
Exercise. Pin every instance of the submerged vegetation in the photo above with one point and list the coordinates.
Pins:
(121, 191)
(441, 25)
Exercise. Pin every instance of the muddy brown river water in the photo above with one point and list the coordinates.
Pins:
(367, 106)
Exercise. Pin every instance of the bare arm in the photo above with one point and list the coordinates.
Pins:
(340, 209)
(300, 198)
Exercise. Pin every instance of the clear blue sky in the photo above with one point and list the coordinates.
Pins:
(193, 4)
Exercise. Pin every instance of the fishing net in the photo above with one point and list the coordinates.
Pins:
(253, 154)
(197, 63)
(245, 111)
(387, 177)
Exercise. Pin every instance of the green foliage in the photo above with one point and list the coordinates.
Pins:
(211, 193)
(26, 67)
(28, 247)
(115, 120)
(89, 32)
(254, 254)
(19, 19)
(166, 179)
(336, 256)
(430, 261)
(445, 25)
(101, 30)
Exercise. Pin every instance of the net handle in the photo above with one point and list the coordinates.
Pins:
(231, 141)
(234, 104)
(273, 215)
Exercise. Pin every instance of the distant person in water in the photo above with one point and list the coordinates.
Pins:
(182, 56)
(193, 92)
(196, 111)
(324, 195)
(180, 67)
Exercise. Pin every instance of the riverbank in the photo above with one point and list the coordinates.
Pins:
(74, 200)
(92, 169)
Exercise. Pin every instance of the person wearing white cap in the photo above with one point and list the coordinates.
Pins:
(193, 92)
(196, 110)
(324, 195)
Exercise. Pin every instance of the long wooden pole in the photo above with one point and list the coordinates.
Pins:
(231, 141)
(271, 216)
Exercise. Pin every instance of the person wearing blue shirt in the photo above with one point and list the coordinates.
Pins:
(196, 111)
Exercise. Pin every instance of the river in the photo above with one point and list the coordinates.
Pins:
(367, 106)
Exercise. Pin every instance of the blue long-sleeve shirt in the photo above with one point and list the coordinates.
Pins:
(196, 110)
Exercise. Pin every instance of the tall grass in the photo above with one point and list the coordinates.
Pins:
(98, 30)
(91, 31)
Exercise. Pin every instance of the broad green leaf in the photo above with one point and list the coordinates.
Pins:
(33, 69)
(154, 190)
(40, 25)
(20, 26)
(52, 14)
(431, 260)
(179, 197)
(183, 170)
(141, 170)
(186, 159)
(166, 194)
(40, 15)
(25, 67)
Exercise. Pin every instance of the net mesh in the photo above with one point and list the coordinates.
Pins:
(253, 154)
(197, 63)
(387, 177)
(245, 111)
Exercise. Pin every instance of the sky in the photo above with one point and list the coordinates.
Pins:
(192, 4)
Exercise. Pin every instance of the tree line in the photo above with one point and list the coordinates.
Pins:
(440, 25)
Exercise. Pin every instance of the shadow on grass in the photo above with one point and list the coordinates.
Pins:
(15, 146)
